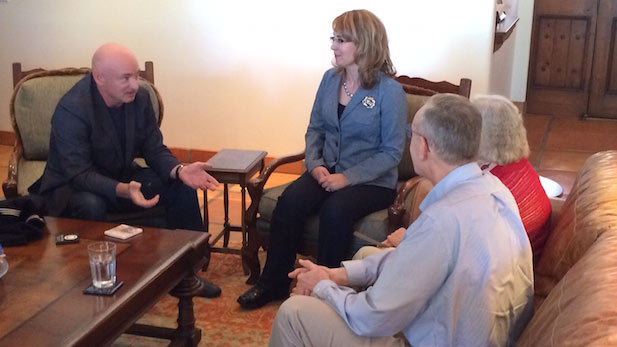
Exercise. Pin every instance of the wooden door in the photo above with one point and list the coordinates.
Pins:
(560, 64)
(603, 94)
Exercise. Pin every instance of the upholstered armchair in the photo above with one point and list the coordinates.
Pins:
(35, 96)
(377, 225)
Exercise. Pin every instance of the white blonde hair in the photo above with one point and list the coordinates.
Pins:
(504, 138)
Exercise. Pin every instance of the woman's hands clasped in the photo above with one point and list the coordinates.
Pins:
(329, 182)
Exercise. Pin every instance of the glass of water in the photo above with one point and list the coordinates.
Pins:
(102, 263)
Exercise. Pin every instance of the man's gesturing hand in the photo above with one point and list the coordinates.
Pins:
(195, 176)
(132, 191)
(138, 197)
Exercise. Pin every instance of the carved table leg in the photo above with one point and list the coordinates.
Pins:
(185, 291)
(186, 334)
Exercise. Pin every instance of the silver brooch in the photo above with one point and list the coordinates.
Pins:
(368, 102)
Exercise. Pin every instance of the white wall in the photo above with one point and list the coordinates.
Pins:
(502, 60)
(241, 74)
(501, 68)
(509, 64)
(521, 53)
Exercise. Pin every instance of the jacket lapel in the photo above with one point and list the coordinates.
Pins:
(356, 101)
(332, 99)
(129, 116)
(103, 120)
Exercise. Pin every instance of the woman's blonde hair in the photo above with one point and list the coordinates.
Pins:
(504, 138)
(368, 33)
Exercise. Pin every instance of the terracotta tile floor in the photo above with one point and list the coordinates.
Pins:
(559, 146)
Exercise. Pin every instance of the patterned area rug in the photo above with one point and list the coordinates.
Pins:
(221, 320)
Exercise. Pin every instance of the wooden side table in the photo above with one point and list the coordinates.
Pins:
(233, 166)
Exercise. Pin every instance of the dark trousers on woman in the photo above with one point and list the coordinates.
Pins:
(338, 212)
(180, 202)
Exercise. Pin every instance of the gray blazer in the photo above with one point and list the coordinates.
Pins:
(366, 144)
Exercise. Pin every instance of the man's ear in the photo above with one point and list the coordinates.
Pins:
(424, 148)
(98, 77)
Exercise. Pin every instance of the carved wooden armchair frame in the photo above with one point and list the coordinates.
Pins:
(20, 77)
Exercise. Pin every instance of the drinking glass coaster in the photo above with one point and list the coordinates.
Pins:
(92, 290)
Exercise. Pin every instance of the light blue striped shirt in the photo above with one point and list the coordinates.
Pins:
(462, 275)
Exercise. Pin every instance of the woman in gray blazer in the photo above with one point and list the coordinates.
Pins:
(354, 143)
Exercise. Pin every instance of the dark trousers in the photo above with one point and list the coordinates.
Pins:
(338, 212)
(180, 202)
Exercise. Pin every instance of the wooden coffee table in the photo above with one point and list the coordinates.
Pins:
(41, 300)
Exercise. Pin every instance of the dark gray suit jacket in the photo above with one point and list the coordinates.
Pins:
(85, 153)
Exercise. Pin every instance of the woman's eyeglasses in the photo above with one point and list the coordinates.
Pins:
(338, 40)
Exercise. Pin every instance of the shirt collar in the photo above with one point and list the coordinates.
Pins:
(451, 181)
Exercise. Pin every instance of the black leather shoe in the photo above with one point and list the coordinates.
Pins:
(258, 296)
(209, 289)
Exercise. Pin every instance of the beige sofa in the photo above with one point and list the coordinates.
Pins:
(576, 278)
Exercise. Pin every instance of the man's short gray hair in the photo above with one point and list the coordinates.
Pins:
(452, 126)
(504, 138)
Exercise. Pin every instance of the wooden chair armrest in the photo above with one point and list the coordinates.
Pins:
(397, 210)
(255, 186)
(272, 166)
(9, 186)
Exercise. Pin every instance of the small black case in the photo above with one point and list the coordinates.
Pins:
(62, 239)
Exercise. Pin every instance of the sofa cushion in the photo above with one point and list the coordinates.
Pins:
(588, 212)
(581, 310)
(268, 201)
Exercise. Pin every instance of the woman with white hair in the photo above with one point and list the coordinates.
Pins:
(504, 151)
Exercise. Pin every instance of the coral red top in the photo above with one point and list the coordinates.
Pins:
(533, 204)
